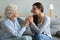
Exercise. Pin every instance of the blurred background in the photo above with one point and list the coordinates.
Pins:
(25, 6)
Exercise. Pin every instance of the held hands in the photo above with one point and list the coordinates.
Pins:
(28, 20)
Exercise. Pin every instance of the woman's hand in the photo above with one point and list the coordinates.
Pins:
(26, 22)
(30, 18)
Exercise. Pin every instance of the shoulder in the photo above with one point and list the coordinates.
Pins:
(47, 17)
(4, 23)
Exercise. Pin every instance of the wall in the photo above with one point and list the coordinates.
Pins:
(24, 6)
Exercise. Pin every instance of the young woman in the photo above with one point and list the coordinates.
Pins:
(40, 23)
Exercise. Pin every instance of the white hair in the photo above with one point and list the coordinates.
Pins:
(10, 9)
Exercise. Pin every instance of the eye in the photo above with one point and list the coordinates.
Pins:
(34, 9)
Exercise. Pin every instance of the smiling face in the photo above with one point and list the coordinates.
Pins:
(15, 14)
(35, 10)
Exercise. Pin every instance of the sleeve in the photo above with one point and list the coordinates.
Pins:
(14, 32)
(43, 27)
(22, 28)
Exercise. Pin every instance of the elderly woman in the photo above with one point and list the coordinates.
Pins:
(11, 30)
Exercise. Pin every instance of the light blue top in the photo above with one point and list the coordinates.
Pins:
(10, 28)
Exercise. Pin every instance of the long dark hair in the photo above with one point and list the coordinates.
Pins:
(35, 19)
(39, 6)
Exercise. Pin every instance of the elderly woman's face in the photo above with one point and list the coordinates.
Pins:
(15, 14)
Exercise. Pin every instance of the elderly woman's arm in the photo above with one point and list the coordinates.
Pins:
(16, 30)
(13, 32)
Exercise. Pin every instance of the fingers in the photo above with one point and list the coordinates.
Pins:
(30, 18)
(26, 22)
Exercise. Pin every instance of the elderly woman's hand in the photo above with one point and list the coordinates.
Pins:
(30, 18)
(27, 22)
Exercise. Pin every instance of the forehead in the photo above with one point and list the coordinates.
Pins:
(34, 6)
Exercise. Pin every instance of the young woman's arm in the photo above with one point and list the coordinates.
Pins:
(43, 27)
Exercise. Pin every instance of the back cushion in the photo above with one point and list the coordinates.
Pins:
(55, 26)
(55, 21)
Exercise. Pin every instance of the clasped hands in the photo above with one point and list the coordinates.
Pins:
(28, 20)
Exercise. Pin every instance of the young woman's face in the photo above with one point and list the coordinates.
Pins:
(35, 10)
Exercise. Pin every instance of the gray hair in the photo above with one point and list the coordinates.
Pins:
(10, 9)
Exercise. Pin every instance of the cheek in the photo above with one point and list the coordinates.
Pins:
(36, 12)
(16, 14)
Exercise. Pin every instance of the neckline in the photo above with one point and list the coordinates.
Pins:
(42, 21)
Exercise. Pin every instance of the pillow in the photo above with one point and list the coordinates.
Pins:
(58, 34)
(55, 21)
(55, 27)
(53, 31)
(28, 32)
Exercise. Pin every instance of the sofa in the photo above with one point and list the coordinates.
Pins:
(55, 27)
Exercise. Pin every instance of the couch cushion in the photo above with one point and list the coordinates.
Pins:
(58, 34)
(53, 31)
(55, 27)
(55, 21)
(55, 38)
(0, 28)
(22, 38)
(28, 32)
